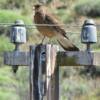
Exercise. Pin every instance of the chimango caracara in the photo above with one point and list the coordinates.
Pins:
(50, 27)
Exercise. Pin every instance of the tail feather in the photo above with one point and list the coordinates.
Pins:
(66, 44)
(73, 48)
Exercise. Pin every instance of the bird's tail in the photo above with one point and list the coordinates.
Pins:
(66, 44)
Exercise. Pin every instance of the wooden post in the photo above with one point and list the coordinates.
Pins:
(44, 61)
(43, 58)
(32, 51)
(37, 71)
(52, 72)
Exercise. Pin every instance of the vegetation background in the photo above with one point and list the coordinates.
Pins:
(75, 83)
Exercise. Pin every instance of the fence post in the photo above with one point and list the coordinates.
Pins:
(36, 72)
(44, 73)
(52, 73)
(31, 68)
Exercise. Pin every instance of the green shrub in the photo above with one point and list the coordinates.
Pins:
(7, 84)
(10, 16)
(73, 88)
(12, 4)
(5, 44)
(88, 8)
(64, 15)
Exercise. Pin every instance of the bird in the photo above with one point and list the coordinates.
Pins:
(49, 25)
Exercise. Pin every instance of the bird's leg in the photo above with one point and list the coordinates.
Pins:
(42, 39)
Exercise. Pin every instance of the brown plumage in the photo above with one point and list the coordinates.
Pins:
(42, 16)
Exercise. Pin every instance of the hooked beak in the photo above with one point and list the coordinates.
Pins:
(33, 8)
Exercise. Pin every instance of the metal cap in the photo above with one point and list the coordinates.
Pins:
(89, 22)
(19, 22)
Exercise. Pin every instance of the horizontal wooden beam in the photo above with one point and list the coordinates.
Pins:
(16, 58)
(81, 58)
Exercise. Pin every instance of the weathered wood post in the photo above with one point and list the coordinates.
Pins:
(44, 74)
(31, 68)
(49, 65)
(52, 73)
(37, 69)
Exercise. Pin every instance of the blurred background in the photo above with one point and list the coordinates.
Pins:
(75, 83)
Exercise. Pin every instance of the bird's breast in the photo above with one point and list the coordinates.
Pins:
(46, 30)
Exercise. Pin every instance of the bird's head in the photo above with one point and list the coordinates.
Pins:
(37, 7)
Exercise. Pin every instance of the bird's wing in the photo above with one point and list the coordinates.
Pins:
(53, 20)
(61, 34)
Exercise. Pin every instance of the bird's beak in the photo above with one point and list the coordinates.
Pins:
(33, 8)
